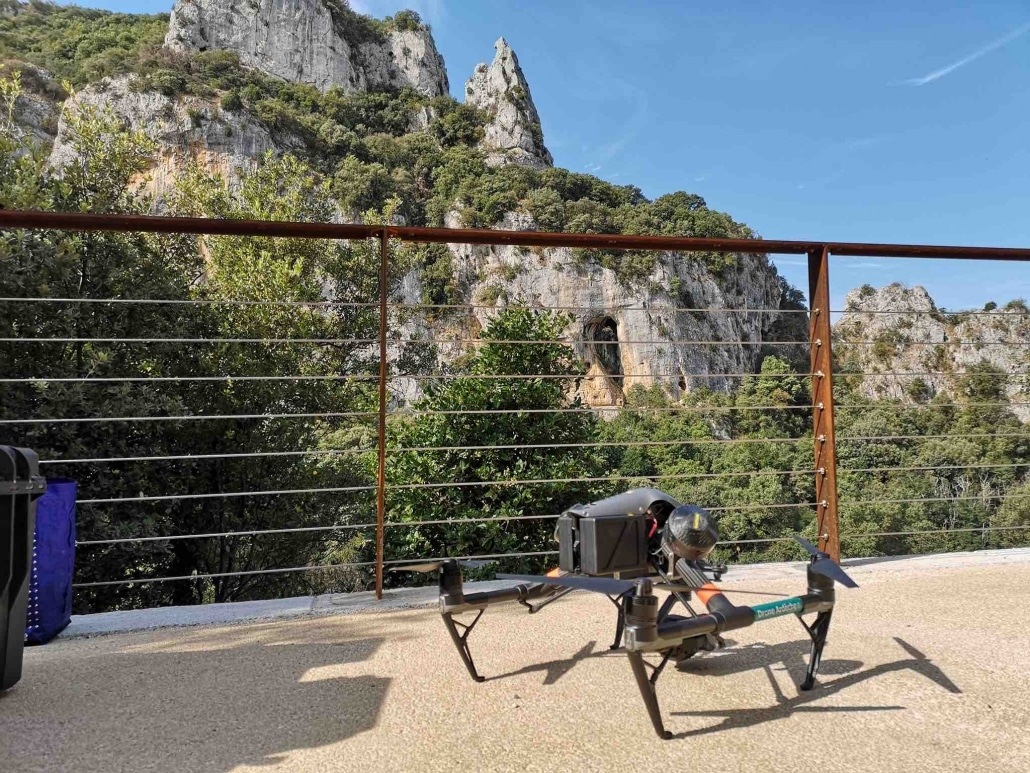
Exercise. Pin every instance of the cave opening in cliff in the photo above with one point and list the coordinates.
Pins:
(602, 337)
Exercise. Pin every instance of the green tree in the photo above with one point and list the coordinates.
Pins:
(506, 421)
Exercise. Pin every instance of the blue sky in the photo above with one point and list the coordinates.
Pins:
(875, 121)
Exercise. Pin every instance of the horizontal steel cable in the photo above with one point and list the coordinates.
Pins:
(195, 302)
(223, 494)
(411, 341)
(413, 377)
(980, 498)
(199, 417)
(163, 379)
(222, 534)
(936, 531)
(1008, 314)
(213, 575)
(189, 340)
(336, 451)
(400, 562)
(577, 376)
(936, 467)
(967, 436)
(570, 342)
(913, 406)
(676, 476)
(201, 457)
(627, 409)
(598, 307)
(906, 374)
(453, 484)
(849, 535)
(614, 444)
(935, 343)
(310, 529)
(748, 508)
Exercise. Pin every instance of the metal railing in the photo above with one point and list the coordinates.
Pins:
(823, 502)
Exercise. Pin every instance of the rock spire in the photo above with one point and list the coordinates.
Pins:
(513, 135)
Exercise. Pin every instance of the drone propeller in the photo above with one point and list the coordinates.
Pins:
(826, 566)
(606, 585)
(432, 566)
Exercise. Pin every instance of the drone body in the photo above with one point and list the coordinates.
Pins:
(626, 547)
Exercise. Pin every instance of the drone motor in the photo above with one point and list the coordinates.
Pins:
(689, 533)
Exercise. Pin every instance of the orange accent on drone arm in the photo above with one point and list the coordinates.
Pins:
(556, 572)
(706, 592)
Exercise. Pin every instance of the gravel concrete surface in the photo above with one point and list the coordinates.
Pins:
(926, 669)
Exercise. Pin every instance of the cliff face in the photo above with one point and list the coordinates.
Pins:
(186, 129)
(310, 41)
(629, 336)
(899, 330)
(513, 134)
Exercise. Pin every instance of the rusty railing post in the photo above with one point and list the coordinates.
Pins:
(822, 401)
(381, 483)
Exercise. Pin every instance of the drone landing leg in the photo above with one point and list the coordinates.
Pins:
(461, 640)
(666, 607)
(647, 688)
(817, 631)
(619, 601)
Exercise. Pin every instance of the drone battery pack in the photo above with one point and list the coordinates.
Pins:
(613, 543)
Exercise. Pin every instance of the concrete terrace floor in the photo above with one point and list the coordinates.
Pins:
(926, 669)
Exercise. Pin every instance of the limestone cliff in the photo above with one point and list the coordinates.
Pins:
(318, 42)
(912, 351)
(185, 128)
(513, 134)
(649, 333)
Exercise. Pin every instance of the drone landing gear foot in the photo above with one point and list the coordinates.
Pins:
(647, 688)
(817, 631)
(461, 640)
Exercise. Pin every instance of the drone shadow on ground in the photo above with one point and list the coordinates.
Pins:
(792, 656)
(556, 669)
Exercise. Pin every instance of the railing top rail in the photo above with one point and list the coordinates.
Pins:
(75, 221)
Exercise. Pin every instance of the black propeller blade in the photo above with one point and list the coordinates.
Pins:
(432, 566)
(825, 565)
(606, 585)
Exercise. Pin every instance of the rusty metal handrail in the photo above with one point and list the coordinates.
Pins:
(77, 221)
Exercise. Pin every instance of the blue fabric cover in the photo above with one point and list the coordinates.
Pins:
(53, 562)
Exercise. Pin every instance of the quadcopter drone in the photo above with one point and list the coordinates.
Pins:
(626, 547)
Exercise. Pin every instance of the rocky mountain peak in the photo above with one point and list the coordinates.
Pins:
(319, 42)
(911, 350)
(513, 135)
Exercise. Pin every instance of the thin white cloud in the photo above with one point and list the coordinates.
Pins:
(992, 46)
(865, 265)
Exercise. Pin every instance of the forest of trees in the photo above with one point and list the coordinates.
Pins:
(948, 467)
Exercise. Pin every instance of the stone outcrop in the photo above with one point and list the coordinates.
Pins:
(628, 335)
(899, 330)
(513, 134)
(186, 129)
(310, 41)
(35, 112)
